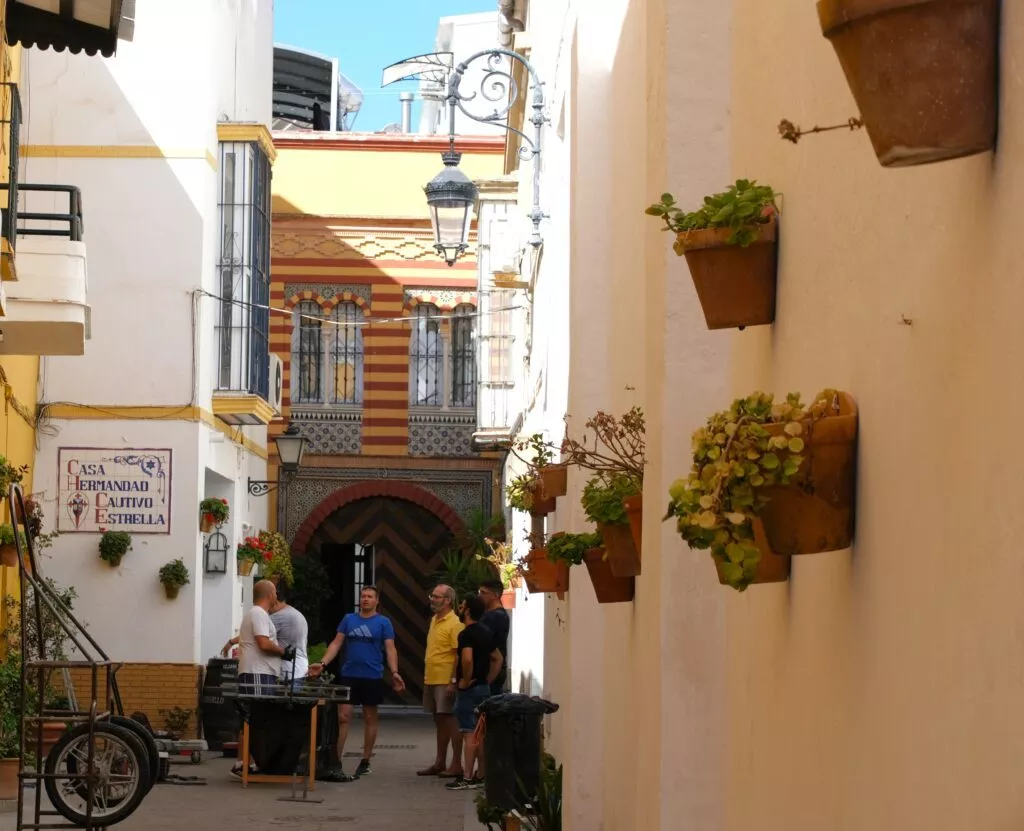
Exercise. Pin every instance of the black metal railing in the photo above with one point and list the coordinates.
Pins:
(70, 223)
(10, 119)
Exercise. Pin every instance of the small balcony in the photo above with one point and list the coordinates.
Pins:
(46, 310)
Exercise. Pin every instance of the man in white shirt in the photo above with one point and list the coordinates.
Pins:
(292, 630)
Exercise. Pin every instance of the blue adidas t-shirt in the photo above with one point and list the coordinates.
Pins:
(364, 645)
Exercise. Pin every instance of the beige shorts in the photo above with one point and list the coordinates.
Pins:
(436, 699)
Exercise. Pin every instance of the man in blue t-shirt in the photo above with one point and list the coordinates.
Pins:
(367, 638)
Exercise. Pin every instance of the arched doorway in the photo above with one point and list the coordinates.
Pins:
(390, 541)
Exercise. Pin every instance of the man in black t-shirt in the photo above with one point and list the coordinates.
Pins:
(496, 619)
(478, 664)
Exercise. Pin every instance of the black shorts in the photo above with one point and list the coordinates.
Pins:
(366, 692)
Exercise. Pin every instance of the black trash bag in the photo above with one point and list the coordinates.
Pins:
(512, 748)
(279, 735)
(326, 740)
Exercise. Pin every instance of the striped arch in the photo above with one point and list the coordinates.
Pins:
(468, 298)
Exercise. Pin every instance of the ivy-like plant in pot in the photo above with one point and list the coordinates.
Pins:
(174, 575)
(114, 545)
(572, 548)
(734, 459)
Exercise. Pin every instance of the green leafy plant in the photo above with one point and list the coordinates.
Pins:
(545, 812)
(175, 573)
(543, 454)
(10, 705)
(315, 653)
(610, 445)
(177, 720)
(114, 545)
(10, 474)
(7, 535)
(280, 563)
(741, 208)
(34, 524)
(735, 457)
(603, 495)
(520, 491)
(215, 510)
(464, 573)
(479, 531)
(571, 548)
(487, 814)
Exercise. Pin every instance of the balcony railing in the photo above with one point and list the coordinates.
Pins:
(68, 224)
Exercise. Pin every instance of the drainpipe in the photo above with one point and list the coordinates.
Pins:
(406, 98)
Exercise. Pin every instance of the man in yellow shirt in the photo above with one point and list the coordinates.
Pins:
(439, 681)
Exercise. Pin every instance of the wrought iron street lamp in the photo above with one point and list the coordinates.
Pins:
(291, 446)
(451, 195)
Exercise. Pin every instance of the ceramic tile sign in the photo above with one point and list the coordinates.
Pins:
(105, 489)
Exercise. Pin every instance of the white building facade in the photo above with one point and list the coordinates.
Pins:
(168, 142)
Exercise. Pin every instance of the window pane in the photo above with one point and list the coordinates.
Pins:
(464, 356)
(348, 354)
(307, 353)
(425, 360)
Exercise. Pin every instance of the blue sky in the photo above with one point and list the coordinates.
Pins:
(366, 36)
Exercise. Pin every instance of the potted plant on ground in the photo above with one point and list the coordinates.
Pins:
(10, 723)
(177, 721)
(250, 553)
(114, 545)
(759, 452)
(730, 244)
(604, 504)
(8, 545)
(213, 512)
(542, 574)
(574, 549)
(174, 575)
(924, 74)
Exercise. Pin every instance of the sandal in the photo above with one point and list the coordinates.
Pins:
(433, 770)
(447, 774)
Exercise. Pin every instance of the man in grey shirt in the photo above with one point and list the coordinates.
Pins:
(292, 630)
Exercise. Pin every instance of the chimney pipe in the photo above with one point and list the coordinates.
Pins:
(406, 98)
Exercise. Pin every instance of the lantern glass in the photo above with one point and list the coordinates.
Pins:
(290, 448)
(216, 554)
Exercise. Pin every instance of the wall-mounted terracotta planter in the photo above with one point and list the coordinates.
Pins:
(736, 285)
(542, 575)
(924, 74)
(607, 586)
(815, 512)
(171, 591)
(8, 556)
(541, 506)
(554, 481)
(773, 568)
(508, 598)
(623, 555)
(207, 523)
(245, 567)
(634, 506)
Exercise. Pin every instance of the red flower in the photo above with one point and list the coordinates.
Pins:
(224, 501)
(267, 556)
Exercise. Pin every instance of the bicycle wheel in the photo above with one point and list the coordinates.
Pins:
(144, 736)
(119, 772)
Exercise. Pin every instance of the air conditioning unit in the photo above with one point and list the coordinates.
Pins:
(276, 383)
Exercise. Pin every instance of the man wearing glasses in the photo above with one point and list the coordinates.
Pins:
(496, 620)
(439, 681)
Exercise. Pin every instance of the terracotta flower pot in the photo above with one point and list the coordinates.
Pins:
(607, 586)
(735, 285)
(171, 591)
(542, 575)
(207, 523)
(815, 512)
(623, 555)
(773, 568)
(634, 506)
(508, 598)
(8, 556)
(541, 506)
(8, 778)
(924, 74)
(115, 562)
(245, 567)
(52, 731)
(554, 481)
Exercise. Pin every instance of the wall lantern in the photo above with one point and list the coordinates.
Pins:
(216, 554)
(291, 447)
(451, 195)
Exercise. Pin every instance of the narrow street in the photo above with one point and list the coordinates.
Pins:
(391, 798)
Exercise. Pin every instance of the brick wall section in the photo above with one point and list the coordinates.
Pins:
(151, 688)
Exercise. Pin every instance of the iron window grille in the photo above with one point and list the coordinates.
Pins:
(426, 358)
(348, 354)
(11, 122)
(464, 356)
(243, 267)
(307, 353)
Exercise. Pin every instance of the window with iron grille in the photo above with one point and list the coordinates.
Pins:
(10, 119)
(426, 357)
(307, 354)
(243, 266)
(464, 356)
(347, 347)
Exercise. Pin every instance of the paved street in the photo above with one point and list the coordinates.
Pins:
(392, 798)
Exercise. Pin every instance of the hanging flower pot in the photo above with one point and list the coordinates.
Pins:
(245, 567)
(772, 567)
(542, 575)
(604, 503)
(172, 591)
(815, 511)
(554, 481)
(9, 556)
(207, 523)
(924, 74)
(508, 599)
(541, 506)
(634, 506)
(620, 547)
(213, 511)
(608, 587)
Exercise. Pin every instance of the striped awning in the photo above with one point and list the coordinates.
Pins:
(90, 26)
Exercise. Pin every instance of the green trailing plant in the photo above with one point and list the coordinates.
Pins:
(7, 535)
(603, 495)
(215, 510)
(175, 573)
(177, 720)
(10, 705)
(740, 208)
(34, 524)
(520, 491)
(10, 474)
(280, 563)
(734, 459)
(114, 545)
(571, 548)
(610, 445)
